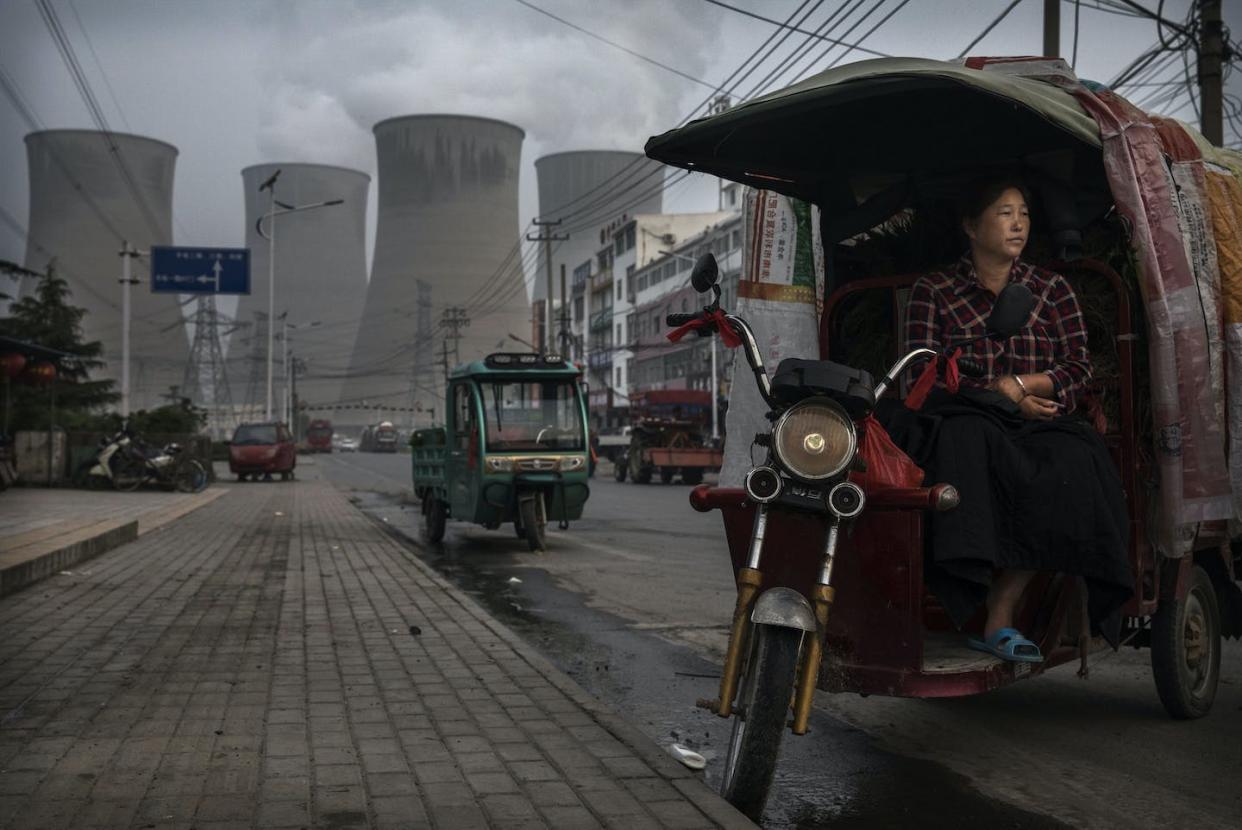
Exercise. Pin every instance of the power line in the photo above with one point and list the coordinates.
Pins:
(987, 29)
(616, 45)
(785, 25)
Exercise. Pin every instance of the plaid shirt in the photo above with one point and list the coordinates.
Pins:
(950, 306)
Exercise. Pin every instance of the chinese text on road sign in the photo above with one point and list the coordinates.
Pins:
(200, 270)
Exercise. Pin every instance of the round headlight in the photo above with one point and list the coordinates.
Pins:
(814, 440)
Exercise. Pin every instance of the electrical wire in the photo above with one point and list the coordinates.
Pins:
(786, 25)
(987, 29)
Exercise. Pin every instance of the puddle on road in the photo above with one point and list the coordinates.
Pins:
(835, 777)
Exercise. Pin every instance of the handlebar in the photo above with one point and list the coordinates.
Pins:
(970, 367)
(680, 319)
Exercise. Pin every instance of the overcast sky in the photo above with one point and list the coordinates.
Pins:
(234, 83)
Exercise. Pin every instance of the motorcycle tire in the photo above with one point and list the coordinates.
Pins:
(620, 468)
(666, 475)
(534, 522)
(763, 700)
(191, 477)
(435, 519)
(1185, 649)
(128, 473)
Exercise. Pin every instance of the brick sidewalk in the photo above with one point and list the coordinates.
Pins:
(274, 660)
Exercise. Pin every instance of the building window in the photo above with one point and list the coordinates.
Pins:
(620, 336)
(619, 287)
(618, 376)
(631, 235)
(737, 239)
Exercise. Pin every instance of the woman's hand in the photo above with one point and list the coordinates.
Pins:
(1035, 408)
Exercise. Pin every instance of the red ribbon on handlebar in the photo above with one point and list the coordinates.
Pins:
(923, 386)
(716, 320)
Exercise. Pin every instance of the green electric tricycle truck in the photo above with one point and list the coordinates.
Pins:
(513, 448)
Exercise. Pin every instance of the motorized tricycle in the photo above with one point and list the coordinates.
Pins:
(829, 574)
(513, 448)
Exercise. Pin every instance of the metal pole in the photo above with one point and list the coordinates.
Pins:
(547, 317)
(715, 394)
(1211, 55)
(1052, 28)
(271, 290)
(125, 315)
(284, 348)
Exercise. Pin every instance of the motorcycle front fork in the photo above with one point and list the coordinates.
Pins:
(749, 581)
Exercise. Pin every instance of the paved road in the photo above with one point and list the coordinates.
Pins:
(275, 660)
(1100, 753)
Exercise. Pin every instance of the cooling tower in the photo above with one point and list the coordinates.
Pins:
(83, 205)
(590, 187)
(446, 244)
(321, 283)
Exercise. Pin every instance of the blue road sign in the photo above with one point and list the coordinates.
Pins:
(200, 270)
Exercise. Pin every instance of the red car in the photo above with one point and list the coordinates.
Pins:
(262, 449)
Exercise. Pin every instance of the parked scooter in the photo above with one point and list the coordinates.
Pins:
(777, 637)
(128, 463)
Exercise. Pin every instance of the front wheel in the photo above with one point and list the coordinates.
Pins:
(534, 521)
(1185, 649)
(435, 518)
(620, 468)
(191, 477)
(763, 707)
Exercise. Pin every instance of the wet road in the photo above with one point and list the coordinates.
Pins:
(634, 602)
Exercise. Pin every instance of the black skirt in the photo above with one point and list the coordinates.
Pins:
(1035, 495)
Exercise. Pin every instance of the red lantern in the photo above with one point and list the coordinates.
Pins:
(40, 373)
(11, 364)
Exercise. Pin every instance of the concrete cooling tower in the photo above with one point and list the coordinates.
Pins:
(83, 205)
(446, 247)
(321, 283)
(590, 187)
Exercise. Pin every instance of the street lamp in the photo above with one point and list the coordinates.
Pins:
(715, 382)
(270, 186)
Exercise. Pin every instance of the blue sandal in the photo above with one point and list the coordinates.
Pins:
(1009, 644)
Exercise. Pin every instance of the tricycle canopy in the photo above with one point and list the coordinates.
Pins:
(859, 140)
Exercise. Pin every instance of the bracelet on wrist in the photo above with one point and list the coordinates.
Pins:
(1018, 380)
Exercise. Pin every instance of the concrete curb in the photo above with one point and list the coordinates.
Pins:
(686, 781)
(102, 537)
(25, 573)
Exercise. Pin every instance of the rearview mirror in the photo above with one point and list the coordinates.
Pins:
(1011, 311)
(705, 274)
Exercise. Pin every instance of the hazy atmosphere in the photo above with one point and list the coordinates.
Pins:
(234, 83)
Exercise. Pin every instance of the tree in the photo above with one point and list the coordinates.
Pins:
(46, 318)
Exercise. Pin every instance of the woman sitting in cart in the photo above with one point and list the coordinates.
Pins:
(1038, 489)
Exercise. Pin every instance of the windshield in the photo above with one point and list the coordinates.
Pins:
(539, 415)
(255, 434)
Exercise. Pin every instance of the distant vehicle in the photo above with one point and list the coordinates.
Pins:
(669, 436)
(381, 437)
(613, 445)
(262, 449)
(514, 448)
(319, 435)
(347, 445)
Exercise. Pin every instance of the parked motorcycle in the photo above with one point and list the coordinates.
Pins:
(816, 408)
(128, 463)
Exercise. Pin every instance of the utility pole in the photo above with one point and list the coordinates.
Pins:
(565, 337)
(1211, 66)
(454, 319)
(444, 354)
(1052, 28)
(127, 255)
(547, 239)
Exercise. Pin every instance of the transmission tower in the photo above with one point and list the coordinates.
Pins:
(206, 375)
(454, 319)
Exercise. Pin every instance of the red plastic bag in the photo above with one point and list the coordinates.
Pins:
(887, 465)
(922, 386)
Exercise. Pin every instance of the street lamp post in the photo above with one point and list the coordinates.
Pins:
(270, 186)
